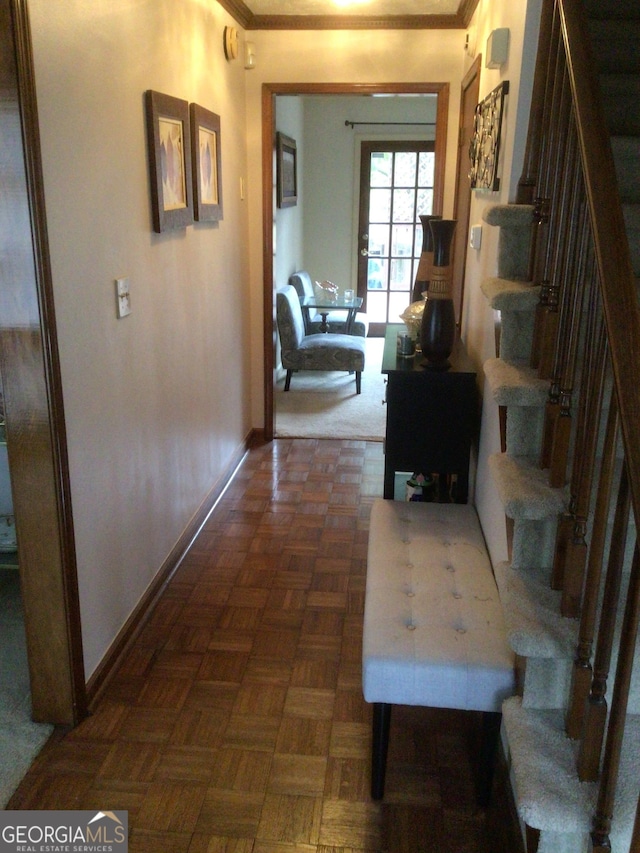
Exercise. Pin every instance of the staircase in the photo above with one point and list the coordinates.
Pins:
(574, 791)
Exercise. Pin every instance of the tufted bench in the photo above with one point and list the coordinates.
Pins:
(433, 626)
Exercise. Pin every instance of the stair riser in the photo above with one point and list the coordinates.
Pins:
(524, 430)
(516, 336)
(533, 543)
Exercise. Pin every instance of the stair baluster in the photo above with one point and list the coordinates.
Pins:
(582, 669)
(561, 149)
(529, 183)
(589, 420)
(574, 276)
(613, 749)
(547, 166)
(597, 706)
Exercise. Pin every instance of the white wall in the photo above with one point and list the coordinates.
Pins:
(157, 403)
(478, 325)
(332, 171)
(288, 235)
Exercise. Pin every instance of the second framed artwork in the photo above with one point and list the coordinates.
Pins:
(286, 170)
(206, 159)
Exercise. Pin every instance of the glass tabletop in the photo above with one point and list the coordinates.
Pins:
(322, 302)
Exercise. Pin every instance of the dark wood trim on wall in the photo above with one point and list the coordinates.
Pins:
(268, 258)
(269, 93)
(34, 408)
(243, 15)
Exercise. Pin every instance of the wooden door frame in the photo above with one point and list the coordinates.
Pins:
(36, 431)
(269, 93)
(471, 79)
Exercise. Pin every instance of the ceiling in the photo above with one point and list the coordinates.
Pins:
(354, 14)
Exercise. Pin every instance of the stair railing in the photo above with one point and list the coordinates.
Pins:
(587, 342)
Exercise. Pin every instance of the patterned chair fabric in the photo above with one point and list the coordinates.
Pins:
(317, 351)
(336, 320)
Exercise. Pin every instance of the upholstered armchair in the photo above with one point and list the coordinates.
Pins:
(319, 351)
(336, 320)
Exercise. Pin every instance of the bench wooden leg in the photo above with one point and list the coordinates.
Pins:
(491, 722)
(381, 721)
(358, 381)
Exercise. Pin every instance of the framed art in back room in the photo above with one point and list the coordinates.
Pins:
(168, 139)
(206, 161)
(286, 170)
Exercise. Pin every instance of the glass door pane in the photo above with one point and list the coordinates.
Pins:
(396, 187)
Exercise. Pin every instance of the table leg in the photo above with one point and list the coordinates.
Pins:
(351, 316)
(324, 326)
(388, 488)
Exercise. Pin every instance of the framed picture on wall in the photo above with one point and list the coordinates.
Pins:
(286, 171)
(169, 147)
(206, 161)
(484, 147)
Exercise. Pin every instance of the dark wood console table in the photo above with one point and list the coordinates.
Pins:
(432, 415)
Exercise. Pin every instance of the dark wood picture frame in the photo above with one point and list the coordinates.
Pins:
(286, 170)
(168, 138)
(206, 161)
(484, 147)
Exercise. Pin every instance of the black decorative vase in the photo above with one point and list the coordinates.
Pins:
(438, 331)
(423, 275)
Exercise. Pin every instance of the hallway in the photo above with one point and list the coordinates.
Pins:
(236, 723)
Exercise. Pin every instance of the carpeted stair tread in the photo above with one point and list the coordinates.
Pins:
(515, 384)
(550, 796)
(508, 215)
(524, 489)
(531, 608)
(505, 294)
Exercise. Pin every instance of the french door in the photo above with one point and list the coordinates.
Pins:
(396, 187)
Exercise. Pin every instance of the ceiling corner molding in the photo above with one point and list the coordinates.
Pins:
(466, 10)
(239, 11)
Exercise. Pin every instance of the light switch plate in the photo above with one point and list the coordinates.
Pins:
(475, 236)
(123, 298)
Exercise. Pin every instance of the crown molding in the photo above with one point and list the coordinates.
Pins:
(239, 11)
(243, 15)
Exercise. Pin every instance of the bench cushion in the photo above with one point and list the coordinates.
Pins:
(433, 627)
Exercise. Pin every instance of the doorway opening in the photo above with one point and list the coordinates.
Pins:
(269, 94)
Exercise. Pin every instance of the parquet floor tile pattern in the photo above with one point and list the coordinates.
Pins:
(236, 723)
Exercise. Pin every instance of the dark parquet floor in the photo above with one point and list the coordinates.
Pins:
(236, 723)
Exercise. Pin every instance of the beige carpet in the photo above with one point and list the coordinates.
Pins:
(325, 404)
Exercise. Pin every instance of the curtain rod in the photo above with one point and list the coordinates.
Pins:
(352, 124)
